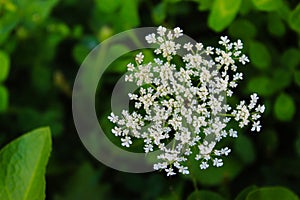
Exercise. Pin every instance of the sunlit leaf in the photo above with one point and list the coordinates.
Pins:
(223, 13)
(23, 164)
(205, 4)
(108, 6)
(267, 5)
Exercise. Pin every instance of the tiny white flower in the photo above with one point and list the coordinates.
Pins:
(217, 162)
(139, 58)
(260, 108)
(204, 165)
(178, 32)
(151, 38)
(126, 141)
(170, 172)
(256, 126)
(224, 40)
(244, 59)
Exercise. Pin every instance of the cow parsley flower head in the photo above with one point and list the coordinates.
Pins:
(180, 109)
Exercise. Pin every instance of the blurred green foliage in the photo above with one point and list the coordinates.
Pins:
(43, 42)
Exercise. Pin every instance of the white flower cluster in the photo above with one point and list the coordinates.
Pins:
(180, 109)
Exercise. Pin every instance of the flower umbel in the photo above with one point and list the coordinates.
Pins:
(180, 108)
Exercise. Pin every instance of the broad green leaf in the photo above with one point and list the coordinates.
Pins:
(244, 148)
(3, 98)
(23, 164)
(259, 55)
(108, 6)
(295, 19)
(223, 13)
(204, 4)
(261, 85)
(129, 15)
(267, 5)
(284, 107)
(242, 28)
(272, 193)
(243, 194)
(205, 195)
(4, 66)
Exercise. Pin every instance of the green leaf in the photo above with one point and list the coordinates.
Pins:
(259, 55)
(275, 25)
(215, 176)
(272, 193)
(243, 194)
(294, 19)
(34, 12)
(23, 164)
(290, 58)
(5, 65)
(159, 13)
(284, 107)
(205, 4)
(7, 23)
(242, 28)
(223, 13)
(129, 15)
(108, 6)
(204, 194)
(267, 5)
(261, 85)
(244, 148)
(3, 98)
(281, 79)
(246, 7)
